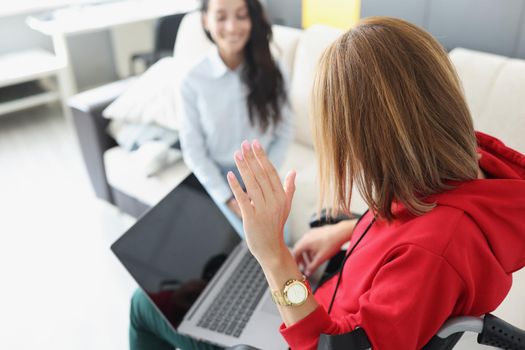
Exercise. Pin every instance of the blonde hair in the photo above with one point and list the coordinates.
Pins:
(390, 117)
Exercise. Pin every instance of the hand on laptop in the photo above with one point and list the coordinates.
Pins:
(321, 243)
(266, 204)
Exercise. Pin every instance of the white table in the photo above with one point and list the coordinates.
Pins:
(28, 66)
(75, 20)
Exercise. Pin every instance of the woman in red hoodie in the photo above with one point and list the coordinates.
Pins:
(446, 226)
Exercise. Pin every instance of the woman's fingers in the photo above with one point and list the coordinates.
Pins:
(307, 257)
(242, 198)
(312, 266)
(248, 177)
(301, 247)
(258, 171)
(259, 175)
(297, 253)
(301, 258)
(265, 163)
(289, 187)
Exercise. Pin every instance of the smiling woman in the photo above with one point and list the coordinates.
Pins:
(236, 92)
(241, 31)
(214, 123)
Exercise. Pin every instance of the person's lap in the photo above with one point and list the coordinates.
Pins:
(150, 331)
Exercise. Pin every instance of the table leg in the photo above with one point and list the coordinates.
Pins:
(66, 78)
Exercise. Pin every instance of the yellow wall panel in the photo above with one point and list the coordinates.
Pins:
(336, 13)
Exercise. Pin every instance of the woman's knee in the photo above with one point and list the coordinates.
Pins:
(140, 308)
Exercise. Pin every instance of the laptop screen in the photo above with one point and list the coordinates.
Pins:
(174, 250)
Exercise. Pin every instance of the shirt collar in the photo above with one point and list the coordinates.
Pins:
(218, 68)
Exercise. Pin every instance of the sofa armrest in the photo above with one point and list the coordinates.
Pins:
(90, 127)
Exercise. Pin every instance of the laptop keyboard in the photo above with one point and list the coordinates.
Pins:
(234, 305)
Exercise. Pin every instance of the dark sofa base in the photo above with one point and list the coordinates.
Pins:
(128, 204)
(93, 139)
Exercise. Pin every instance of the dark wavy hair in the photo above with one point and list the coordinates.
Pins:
(261, 74)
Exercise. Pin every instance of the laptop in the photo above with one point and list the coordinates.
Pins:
(198, 273)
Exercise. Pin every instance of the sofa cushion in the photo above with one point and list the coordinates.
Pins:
(191, 45)
(494, 87)
(149, 98)
(284, 45)
(127, 175)
(302, 159)
(311, 46)
(153, 97)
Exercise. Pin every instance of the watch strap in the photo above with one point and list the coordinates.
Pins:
(279, 297)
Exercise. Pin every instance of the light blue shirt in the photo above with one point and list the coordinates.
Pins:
(216, 121)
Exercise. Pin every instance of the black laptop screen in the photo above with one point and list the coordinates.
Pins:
(176, 247)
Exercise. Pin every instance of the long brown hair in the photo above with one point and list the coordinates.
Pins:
(261, 74)
(390, 117)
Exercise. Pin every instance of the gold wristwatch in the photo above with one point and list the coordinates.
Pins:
(295, 293)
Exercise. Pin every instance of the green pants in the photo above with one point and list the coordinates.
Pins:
(149, 331)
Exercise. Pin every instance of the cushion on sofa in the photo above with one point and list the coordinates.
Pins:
(284, 44)
(191, 43)
(152, 97)
(311, 46)
(302, 159)
(149, 98)
(494, 87)
(126, 174)
(506, 105)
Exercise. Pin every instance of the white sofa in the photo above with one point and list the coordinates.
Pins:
(299, 51)
(494, 88)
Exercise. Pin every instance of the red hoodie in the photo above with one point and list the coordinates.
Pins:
(406, 278)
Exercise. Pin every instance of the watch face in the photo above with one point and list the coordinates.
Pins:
(297, 293)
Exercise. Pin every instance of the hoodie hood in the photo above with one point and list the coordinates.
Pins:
(496, 204)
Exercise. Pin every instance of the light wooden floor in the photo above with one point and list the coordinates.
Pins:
(61, 286)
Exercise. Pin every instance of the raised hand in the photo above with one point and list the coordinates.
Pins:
(266, 204)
